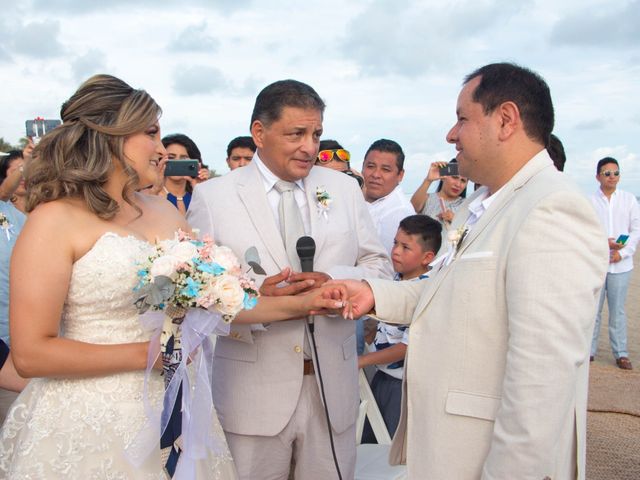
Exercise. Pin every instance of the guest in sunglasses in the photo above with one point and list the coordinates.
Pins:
(619, 214)
(333, 155)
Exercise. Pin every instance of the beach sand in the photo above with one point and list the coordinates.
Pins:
(613, 419)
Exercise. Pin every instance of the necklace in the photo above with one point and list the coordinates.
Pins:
(180, 199)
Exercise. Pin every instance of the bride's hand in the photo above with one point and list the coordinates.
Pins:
(325, 300)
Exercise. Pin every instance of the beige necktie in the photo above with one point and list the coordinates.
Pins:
(291, 226)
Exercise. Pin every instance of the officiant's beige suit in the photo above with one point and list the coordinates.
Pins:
(498, 355)
(257, 375)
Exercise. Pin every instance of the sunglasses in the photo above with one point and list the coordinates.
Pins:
(608, 173)
(325, 156)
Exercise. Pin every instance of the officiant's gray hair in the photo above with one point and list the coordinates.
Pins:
(76, 159)
(284, 93)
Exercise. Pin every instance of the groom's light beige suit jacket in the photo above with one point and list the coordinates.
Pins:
(498, 355)
(257, 375)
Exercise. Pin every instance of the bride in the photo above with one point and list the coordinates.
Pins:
(74, 328)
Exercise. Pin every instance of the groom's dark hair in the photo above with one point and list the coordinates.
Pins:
(284, 93)
(508, 82)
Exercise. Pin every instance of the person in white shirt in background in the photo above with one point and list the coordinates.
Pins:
(620, 216)
(383, 170)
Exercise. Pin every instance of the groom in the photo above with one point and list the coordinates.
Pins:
(266, 387)
(498, 357)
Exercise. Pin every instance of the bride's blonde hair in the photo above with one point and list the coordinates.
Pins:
(76, 158)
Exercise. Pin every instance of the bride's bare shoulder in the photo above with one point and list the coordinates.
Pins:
(161, 213)
(59, 214)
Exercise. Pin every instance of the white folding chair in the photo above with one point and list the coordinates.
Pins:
(372, 461)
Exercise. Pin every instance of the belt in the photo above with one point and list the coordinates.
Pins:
(307, 368)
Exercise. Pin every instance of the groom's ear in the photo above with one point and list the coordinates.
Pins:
(257, 132)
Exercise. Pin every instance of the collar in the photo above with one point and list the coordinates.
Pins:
(269, 178)
(601, 194)
(388, 196)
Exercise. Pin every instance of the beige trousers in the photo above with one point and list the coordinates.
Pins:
(304, 443)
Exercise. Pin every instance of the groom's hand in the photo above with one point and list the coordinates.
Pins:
(270, 288)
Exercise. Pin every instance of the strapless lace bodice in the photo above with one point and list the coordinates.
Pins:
(99, 306)
(79, 428)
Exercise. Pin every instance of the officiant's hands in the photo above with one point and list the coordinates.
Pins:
(360, 300)
(289, 283)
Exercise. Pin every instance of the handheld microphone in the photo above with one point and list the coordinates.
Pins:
(306, 249)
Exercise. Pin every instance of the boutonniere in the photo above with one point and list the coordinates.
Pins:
(324, 201)
(455, 238)
(6, 226)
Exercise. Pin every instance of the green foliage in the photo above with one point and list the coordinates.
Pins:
(5, 146)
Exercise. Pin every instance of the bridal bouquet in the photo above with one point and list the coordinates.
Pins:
(186, 273)
(187, 290)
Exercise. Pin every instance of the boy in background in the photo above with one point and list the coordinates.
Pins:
(415, 245)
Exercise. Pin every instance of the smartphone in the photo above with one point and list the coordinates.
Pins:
(182, 168)
(450, 170)
(39, 127)
(622, 239)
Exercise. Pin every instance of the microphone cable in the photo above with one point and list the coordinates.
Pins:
(306, 250)
(311, 326)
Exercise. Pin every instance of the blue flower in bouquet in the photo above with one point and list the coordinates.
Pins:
(249, 301)
(191, 289)
(210, 267)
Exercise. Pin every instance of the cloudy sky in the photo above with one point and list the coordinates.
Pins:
(385, 68)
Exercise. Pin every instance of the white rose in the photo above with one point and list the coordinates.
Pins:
(184, 251)
(229, 292)
(165, 265)
(225, 257)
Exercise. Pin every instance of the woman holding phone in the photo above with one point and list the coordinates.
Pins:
(177, 188)
(443, 203)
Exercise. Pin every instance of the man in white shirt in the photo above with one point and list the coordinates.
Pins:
(620, 216)
(383, 170)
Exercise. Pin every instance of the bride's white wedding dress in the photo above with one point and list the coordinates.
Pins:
(79, 428)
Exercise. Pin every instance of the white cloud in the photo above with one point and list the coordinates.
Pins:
(37, 39)
(615, 25)
(194, 38)
(90, 63)
(196, 80)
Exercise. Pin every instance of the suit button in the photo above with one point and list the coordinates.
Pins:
(297, 349)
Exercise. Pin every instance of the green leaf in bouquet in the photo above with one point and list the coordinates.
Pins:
(162, 289)
(154, 294)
